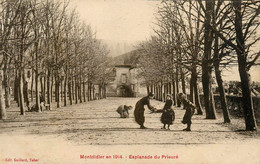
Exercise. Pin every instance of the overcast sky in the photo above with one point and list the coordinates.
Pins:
(129, 21)
(119, 20)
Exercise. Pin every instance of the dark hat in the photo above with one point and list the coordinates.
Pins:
(182, 96)
(150, 94)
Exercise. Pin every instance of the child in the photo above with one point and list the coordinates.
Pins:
(123, 111)
(168, 114)
(190, 109)
(139, 109)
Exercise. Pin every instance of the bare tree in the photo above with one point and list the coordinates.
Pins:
(244, 19)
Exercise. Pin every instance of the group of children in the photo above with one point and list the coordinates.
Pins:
(168, 115)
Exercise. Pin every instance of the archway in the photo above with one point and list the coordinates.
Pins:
(125, 91)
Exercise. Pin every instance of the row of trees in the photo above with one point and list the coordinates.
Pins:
(48, 37)
(193, 39)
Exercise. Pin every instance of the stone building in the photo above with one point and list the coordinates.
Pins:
(126, 83)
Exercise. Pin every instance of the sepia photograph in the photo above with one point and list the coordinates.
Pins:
(129, 81)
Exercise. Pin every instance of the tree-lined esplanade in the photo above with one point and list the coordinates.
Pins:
(46, 41)
(196, 40)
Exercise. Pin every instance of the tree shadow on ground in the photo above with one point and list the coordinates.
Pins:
(152, 143)
(248, 133)
(66, 131)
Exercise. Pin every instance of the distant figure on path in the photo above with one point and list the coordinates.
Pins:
(42, 101)
(168, 114)
(139, 109)
(123, 111)
(190, 109)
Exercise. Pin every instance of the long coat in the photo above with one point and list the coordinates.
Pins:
(168, 114)
(190, 109)
(139, 109)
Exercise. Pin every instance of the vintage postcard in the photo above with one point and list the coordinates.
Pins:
(129, 81)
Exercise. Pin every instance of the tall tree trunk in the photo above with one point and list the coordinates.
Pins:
(206, 64)
(99, 91)
(223, 99)
(249, 115)
(6, 86)
(37, 96)
(93, 89)
(72, 88)
(105, 91)
(26, 93)
(157, 91)
(147, 88)
(45, 87)
(2, 102)
(21, 96)
(52, 87)
(170, 88)
(42, 84)
(7, 96)
(222, 94)
(183, 82)
(192, 88)
(61, 90)
(174, 97)
(76, 90)
(177, 87)
(89, 91)
(70, 91)
(65, 89)
(197, 96)
(32, 86)
(165, 88)
(84, 91)
(161, 90)
(56, 85)
(16, 88)
(49, 90)
(57, 91)
(154, 89)
(208, 95)
(80, 90)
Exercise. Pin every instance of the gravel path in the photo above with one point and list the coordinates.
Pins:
(96, 123)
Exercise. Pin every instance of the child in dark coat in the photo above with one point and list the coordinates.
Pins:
(190, 109)
(168, 114)
(139, 109)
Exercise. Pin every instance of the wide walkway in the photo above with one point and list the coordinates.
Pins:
(96, 125)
